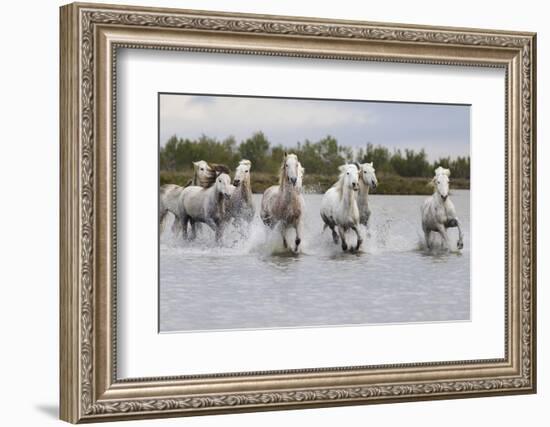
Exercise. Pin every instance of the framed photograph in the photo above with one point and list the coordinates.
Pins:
(266, 212)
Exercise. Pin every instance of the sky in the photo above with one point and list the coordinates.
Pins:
(441, 129)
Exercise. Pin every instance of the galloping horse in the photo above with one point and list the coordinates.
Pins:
(207, 205)
(204, 175)
(240, 206)
(367, 180)
(284, 203)
(438, 211)
(339, 206)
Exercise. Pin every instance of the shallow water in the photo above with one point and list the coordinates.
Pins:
(252, 282)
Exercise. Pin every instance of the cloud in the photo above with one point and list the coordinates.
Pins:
(440, 129)
(239, 116)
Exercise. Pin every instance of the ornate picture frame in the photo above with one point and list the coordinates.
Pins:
(90, 37)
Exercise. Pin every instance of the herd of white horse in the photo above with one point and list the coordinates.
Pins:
(213, 199)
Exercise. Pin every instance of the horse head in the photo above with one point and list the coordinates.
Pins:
(368, 175)
(203, 174)
(223, 185)
(441, 182)
(292, 169)
(242, 173)
(349, 175)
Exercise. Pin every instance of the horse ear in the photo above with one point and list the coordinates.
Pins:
(370, 164)
(286, 154)
(447, 172)
(195, 164)
(342, 168)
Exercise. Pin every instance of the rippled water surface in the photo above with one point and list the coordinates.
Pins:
(251, 282)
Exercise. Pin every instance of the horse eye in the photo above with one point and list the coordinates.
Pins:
(202, 169)
(348, 173)
(219, 180)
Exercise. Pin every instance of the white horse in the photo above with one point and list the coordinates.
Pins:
(205, 205)
(204, 175)
(284, 203)
(339, 206)
(240, 206)
(367, 180)
(438, 211)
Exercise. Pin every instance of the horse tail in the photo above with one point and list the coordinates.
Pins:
(162, 221)
(176, 225)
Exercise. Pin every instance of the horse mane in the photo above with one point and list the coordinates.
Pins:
(214, 169)
(442, 171)
(339, 185)
(220, 168)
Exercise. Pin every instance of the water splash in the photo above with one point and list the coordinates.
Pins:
(387, 231)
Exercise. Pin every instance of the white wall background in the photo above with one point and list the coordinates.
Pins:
(29, 170)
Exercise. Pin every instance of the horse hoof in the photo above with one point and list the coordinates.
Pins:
(344, 247)
(460, 245)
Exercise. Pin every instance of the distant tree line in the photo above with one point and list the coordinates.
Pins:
(321, 157)
(411, 163)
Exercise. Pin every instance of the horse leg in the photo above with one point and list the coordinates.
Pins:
(367, 217)
(443, 231)
(184, 221)
(427, 237)
(217, 226)
(176, 225)
(283, 234)
(359, 240)
(299, 231)
(330, 224)
(342, 232)
(219, 233)
(193, 229)
(335, 237)
(460, 243)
